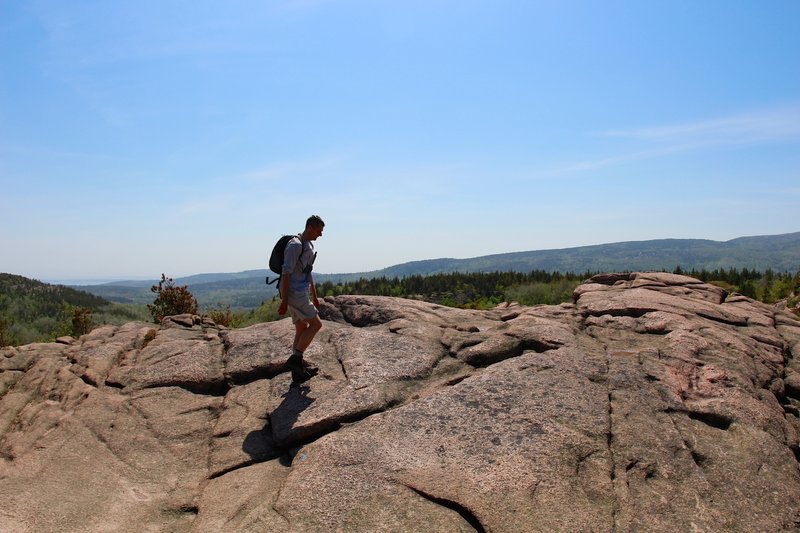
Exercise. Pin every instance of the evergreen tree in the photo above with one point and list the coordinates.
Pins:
(748, 288)
(5, 334)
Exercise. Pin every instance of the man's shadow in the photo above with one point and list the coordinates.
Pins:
(274, 438)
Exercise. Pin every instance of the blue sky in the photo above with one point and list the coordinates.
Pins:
(185, 136)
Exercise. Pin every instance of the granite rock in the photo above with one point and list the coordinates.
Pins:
(652, 402)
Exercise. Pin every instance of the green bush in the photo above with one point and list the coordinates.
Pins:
(25, 333)
(81, 321)
(552, 293)
(223, 316)
(56, 325)
(118, 314)
(748, 288)
(723, 285)
(6, 338)
(266, 312)
(171, 300)
(72, 321)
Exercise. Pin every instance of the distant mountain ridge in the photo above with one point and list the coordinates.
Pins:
(778, 252)
(247, 288)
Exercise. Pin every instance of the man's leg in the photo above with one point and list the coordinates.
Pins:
(307, 324)
(310, 329)
(300, 326)
(305, 330)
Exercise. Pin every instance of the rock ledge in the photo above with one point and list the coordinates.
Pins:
(653, 402)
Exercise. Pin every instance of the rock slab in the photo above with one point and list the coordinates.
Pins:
(652, 402)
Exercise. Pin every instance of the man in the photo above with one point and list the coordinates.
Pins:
(299, 296)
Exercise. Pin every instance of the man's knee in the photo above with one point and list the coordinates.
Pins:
(310, 324)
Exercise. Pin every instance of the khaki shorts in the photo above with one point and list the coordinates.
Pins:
(300, 307)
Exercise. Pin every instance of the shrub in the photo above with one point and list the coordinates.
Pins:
(748, 288)
(24, 333)
(149, 336)
(223, 316)
(73, 321)
(82, 322)
(723, 285)
(118, 314)
(5, 334)
(267, 312)
(552, 293)
(171, 300)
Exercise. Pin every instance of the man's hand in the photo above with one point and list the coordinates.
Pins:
(316, 302)
(283, 308)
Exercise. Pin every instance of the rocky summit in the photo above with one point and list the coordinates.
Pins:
(653, 402)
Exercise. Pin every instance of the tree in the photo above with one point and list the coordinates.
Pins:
(5, 335)
(171, 300)
(82, 322)
(766, 290)
(748, 288)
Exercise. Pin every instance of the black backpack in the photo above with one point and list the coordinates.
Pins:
(276, 258)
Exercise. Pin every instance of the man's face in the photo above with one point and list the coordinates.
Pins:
(314, 232)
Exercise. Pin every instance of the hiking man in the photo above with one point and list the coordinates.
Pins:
(299, 296)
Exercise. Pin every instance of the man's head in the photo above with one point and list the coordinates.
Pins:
(314, 227)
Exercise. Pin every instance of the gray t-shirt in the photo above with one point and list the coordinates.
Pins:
(297, 256)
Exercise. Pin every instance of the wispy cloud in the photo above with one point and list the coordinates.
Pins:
(593, 164)
(203, 206)
(787, 191)
(766, 125)
(771, 125)
(292, 170)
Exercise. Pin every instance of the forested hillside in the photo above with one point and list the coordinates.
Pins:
(484, 290)
(769, 252)
(487, 289)
(246, 290)
(32, 311)
(28, 296)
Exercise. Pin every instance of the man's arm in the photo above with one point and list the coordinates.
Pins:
(290, 256)
(284, 292)
(313, 292)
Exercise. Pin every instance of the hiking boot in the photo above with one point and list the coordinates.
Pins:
(301, 370)
(311, 369)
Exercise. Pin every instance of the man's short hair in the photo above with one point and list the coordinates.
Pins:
(315, 221)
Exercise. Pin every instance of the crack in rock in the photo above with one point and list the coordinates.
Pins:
(463, 511)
